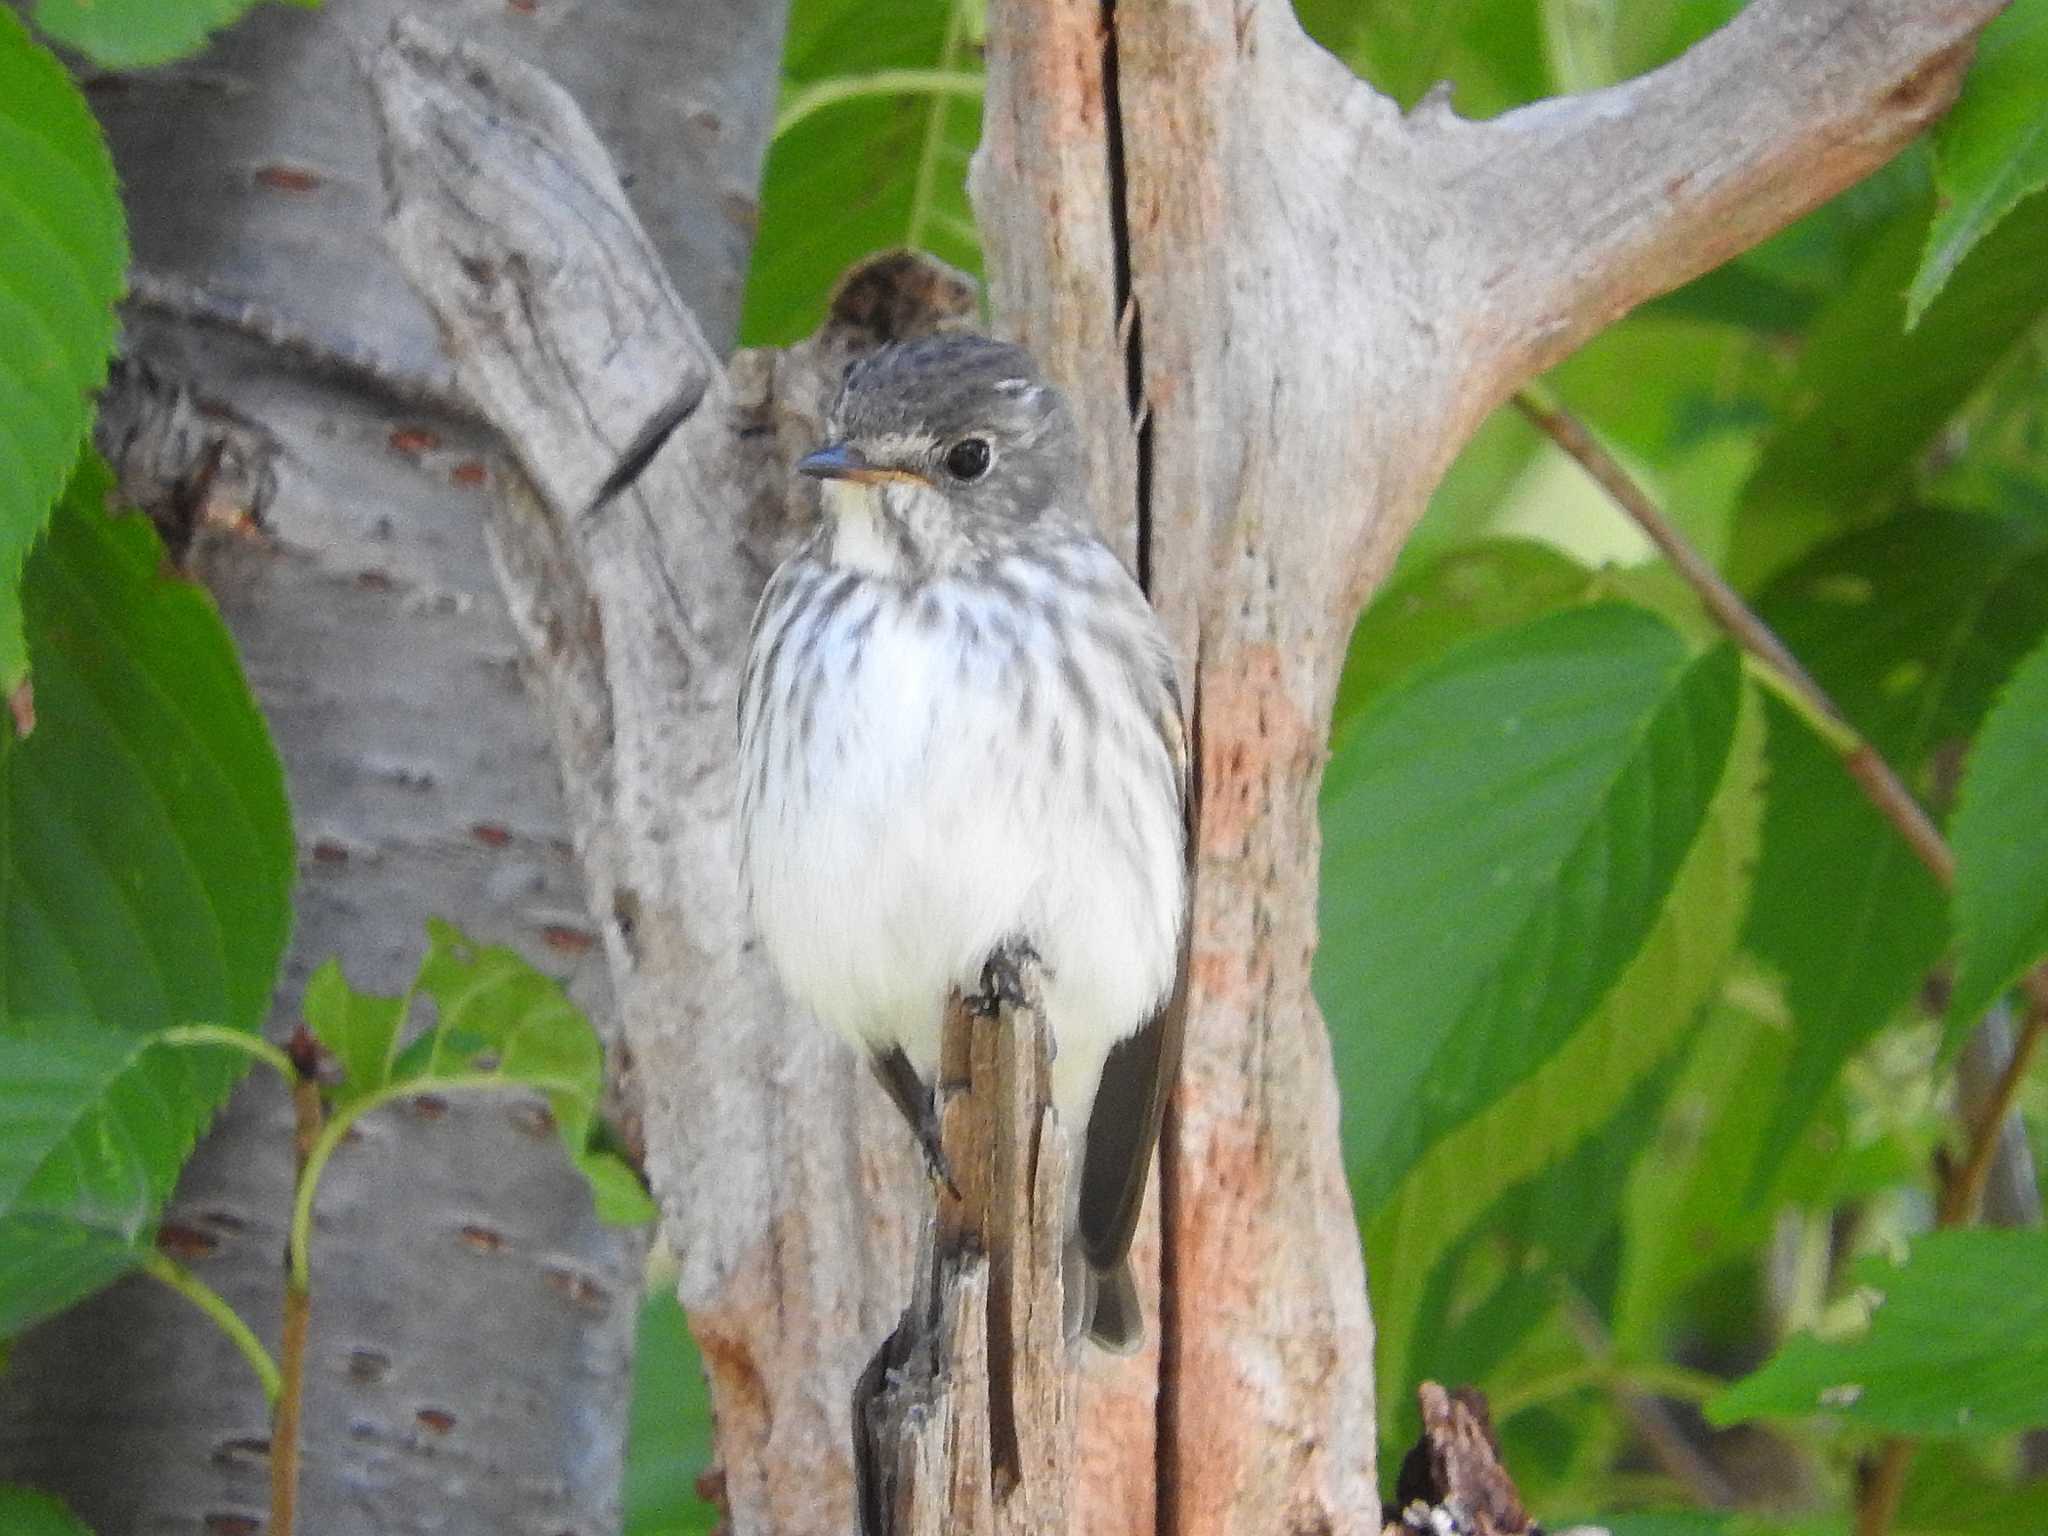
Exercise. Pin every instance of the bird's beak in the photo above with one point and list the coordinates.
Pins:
(843, 461)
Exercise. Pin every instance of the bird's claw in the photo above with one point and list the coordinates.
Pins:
(1002, 979)
(936, 1165)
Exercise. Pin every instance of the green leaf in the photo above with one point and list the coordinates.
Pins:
(145, 868)
(1954, 1491)
(1471, 591)
(1498, 834)
(498, 1023)
(360, 1030)
(1992, 148)
(26, 1513)
(2001, 843)
(669, 1443)
(1910, 626)
(1534, 868)
(884, 165)
(134, 34)
(63, 250)
(1870, 395)
(94, 1126)
(146, 854)
(616, 1190)
(1957, 1346)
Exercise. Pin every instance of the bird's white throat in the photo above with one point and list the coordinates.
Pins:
(889, 528)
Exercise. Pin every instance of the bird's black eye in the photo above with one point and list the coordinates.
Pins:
(968, 459)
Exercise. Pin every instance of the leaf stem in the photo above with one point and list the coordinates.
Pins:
(820, 94)
(1886, 791)
(337, 1127)
(203, 1296)
(232, 1039)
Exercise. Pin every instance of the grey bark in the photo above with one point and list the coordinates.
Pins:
(472, 1322)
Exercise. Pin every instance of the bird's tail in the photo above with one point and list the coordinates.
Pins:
(1103, 1303)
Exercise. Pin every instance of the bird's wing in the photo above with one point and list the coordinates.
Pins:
(1123, 1127)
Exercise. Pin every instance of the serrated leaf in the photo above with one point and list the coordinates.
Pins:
(94, 1126)
(1991, 149)
(145, 868)
(134, 34)
(1909, 626)
(1499, 831)
(498, 1023)
(1957, 1346)
(146, 853)
(1643, 1017)
(63, 250)
(884, 165)
(1535, 861)
(1870, 395)
(2000, 839)
(24, 1512)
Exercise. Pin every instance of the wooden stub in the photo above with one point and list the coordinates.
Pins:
(964, 1420)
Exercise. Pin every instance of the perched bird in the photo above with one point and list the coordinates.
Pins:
(961, 738)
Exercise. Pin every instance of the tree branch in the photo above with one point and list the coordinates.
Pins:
(654, 501)
(1586, 206)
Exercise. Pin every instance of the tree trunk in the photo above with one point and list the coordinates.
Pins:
(284, 396)
(1280, 306)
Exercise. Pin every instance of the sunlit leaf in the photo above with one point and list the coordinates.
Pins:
(63, 249)
(497, 1022)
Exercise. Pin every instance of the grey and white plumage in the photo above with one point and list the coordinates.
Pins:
(960, 730)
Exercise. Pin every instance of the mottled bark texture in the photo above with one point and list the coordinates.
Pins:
(285, 405)
(1281, 305)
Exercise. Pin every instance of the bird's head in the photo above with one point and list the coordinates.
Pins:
(944, 451)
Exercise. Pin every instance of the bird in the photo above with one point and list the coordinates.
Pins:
(962, 748)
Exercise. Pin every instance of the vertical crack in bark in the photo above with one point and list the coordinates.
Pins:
(1129, 326)
(1131, 335)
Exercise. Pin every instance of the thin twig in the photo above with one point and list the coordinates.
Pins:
(1865, 764)
(298, 1308)
(1963, 1188)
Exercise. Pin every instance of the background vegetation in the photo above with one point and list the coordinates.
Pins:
(1648, 1022)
